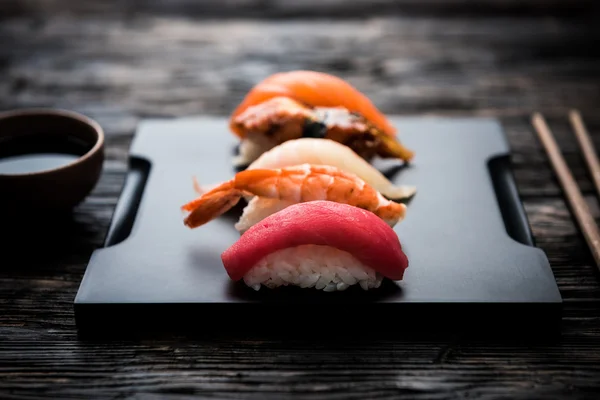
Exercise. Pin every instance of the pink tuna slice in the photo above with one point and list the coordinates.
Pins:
(354, 230)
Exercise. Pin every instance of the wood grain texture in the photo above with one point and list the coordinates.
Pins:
(134, 60)
(301, 8)
(577, 202)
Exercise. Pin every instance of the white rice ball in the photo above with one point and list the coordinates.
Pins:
(259, 208)
(312, 266)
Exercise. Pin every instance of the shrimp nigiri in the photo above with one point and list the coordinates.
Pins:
(332, 153)
(272, 190)
(296, 104)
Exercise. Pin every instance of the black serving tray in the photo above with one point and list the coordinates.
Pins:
(472, 256)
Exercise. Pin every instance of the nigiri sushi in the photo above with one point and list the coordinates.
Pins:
(303, 245)
(272, 190)
(290, 105)
(332, 153)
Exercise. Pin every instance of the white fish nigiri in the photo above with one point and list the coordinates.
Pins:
(329, 152)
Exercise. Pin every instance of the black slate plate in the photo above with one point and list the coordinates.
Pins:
(472, 256)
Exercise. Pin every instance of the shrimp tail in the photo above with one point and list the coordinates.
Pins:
(211, 205)
(197, 187)
(202, 189)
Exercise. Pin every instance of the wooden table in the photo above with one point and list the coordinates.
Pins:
(119, 63)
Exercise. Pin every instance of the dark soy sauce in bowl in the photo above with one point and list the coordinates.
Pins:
(32, 163)
(49, 159)
(30, 154)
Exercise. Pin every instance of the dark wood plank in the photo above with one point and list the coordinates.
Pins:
(121, 66)
(120, 69)
(300, 8)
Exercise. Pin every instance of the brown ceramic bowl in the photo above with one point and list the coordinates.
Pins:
(50, 160)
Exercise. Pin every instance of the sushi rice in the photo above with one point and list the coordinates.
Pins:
(251, 148)
(312, 266)
(259, 208)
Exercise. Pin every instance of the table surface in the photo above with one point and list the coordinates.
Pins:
(120, 62)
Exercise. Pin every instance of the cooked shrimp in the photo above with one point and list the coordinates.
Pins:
(280, 187)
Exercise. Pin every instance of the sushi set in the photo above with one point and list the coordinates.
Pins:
(309, 202)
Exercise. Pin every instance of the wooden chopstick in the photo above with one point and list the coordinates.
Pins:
(587, 147)
(575, 198)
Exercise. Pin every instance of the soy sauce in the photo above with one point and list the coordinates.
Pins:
(26, 154)
(34, 162)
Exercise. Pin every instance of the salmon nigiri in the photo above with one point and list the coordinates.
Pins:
(290, 105)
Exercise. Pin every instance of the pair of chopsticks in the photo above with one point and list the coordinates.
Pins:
(575, 198)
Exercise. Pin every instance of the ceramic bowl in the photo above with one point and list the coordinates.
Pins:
(50, 159)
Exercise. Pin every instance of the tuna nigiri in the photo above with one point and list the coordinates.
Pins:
(301, 245)
(332, 153)
(295, 104)
(272, 190)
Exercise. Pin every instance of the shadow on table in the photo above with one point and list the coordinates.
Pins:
(321, 325)
(37, 241)
(330, 337)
